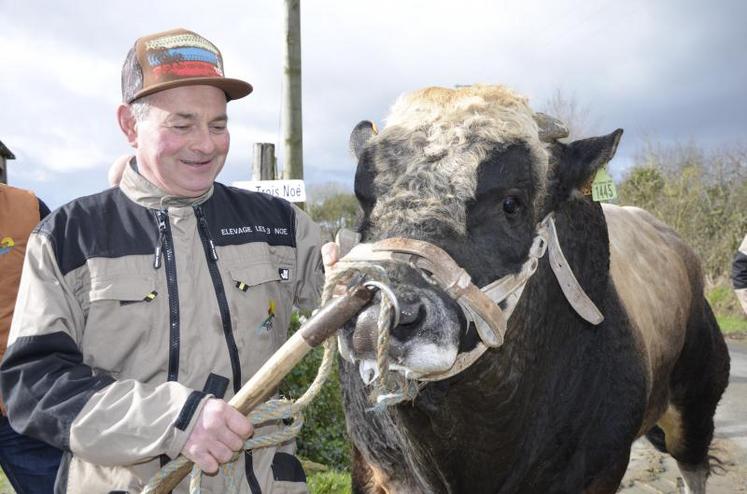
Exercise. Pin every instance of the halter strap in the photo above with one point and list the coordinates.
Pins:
(480, 306)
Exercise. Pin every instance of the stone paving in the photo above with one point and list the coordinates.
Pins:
(651, 472)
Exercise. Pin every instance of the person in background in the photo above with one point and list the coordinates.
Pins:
(116, 170)
(739, 274)
(146, 305)
(29, 464)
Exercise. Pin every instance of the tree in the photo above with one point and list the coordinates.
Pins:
(576, 116)
(332, 207)
(701, 195)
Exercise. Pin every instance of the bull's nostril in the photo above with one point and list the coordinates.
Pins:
(364, 336)
(411, 313)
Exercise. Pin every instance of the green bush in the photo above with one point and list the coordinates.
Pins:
(732, 324)
(334, 211)
(323, 438)
(329, 483)
(722, 298)
(702, 196)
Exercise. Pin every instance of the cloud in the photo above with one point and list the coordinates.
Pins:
(674, 69)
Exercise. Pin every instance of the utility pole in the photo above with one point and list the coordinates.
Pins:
(291, 113)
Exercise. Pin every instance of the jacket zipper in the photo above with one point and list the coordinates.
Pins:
(165, 245)
(220, 293)
(225, 315)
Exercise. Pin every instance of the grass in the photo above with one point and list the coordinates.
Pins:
(5, 487)
(725, 305)
(732, 325)
(329, 482)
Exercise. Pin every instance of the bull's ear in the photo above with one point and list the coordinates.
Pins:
(360, 135)
(576, 163)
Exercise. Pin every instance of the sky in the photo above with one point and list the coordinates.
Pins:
(667, 71)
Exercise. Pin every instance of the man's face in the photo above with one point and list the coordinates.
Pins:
(183, 140)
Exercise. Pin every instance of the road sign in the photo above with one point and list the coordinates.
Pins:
(290, 190)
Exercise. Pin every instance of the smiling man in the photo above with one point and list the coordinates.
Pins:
(142, 307)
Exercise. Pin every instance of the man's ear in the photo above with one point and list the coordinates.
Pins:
(575, 164)
(127, 123)
(360, 135)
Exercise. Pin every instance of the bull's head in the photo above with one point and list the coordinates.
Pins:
(470, 171)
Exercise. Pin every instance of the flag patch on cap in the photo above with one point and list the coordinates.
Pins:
(180, 40)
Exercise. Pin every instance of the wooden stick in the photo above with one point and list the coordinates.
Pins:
(263, 384)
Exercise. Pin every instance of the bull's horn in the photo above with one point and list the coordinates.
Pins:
(550, 128)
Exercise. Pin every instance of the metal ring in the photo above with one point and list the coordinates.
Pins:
(389, 293)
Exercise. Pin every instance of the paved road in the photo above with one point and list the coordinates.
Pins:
(650, 472)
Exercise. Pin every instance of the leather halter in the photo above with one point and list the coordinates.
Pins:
(480, 306)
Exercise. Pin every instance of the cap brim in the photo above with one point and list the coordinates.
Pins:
(234, 88)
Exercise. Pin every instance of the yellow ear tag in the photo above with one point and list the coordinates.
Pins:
(603, 187)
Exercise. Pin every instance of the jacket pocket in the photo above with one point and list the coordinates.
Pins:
(127, 315)
(125, 288)
(256, 298)
(254, 275)
(260, 311)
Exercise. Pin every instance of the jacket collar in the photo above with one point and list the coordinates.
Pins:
(143, 192)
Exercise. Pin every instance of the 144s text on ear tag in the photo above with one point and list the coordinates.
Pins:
(603, 187)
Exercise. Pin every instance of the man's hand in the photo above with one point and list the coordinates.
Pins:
(220, 431)
(330, 254)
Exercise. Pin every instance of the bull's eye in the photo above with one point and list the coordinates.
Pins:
(511, 205)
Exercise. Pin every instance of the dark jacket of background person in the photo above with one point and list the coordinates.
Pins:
(739, 274)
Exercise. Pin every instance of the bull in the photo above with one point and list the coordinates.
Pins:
(597, 331)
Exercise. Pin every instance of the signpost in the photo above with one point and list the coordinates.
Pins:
(290, 190)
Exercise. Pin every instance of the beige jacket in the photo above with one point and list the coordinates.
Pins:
(134, 307)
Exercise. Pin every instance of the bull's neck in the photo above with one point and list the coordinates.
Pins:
(544, 321)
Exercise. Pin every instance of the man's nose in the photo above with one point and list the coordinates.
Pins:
(203, 141)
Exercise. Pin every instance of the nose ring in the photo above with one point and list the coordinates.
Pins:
(386, 290)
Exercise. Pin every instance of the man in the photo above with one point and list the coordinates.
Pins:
(143, 305)
(29, 464)
(739, 274)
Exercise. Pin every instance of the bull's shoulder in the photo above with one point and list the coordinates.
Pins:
(636, 233)
(629, 216)
(659, 280)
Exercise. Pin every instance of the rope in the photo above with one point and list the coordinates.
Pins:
(266, 412)
(382, 344)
